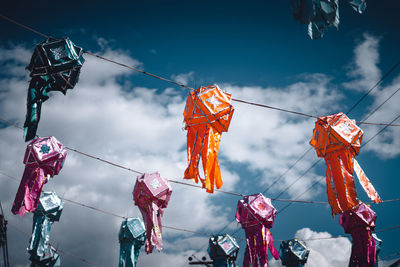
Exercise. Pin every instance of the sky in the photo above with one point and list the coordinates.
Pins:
(257, 52)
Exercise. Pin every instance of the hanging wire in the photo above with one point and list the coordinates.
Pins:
(192, 89)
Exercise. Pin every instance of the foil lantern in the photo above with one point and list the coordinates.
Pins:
(321, 14)
(337, 139)
(256, 215)
(223, 250)
(132, 236)
(359, 223)
(44, 158)
(294, 253)
(55, 66)
(48, 211)
(151, 194)
(50, 258)
(207, 114)
(318, 14)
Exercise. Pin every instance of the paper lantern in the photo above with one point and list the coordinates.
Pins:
(294, 253)
(337, 139)
(55, 66)
(151, 194)
(256, 214)
(360, 222)
(44, 158)
(48, 211)
(132, 236)
(223, 250)
(207, 114)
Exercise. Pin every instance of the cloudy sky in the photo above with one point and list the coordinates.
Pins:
(257, 52)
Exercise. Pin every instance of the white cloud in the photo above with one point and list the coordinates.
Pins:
(183, 78)
(364, 69)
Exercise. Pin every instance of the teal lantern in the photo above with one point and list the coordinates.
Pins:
(132, 236)
(55, 66)
(48, 211)
(50, 258)
(223, 250)
(293, 253)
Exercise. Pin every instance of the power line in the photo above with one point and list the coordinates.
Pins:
(192, 89)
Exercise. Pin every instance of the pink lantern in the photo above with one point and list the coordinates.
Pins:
(44, 158)
(256, 215)
(360, 222)
(151, 194)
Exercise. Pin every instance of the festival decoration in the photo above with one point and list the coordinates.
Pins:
(48, 211)
(321, 14)
(151, 194)
(294, 253)
(44, 158)
(55, 66)
(256, 215)
(207, 114)
(132, 236)
(338, 139)
(223, 250)
(359, 222)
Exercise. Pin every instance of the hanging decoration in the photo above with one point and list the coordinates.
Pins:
(50, 258)
(294, 253)
(256, 215)
(207, 114)
(223, 250)
(360, 222)
(48, 211)
(151, 194)
(338, 139)
(44, 158)
(132, 236)
(321, 14)
(55, 66)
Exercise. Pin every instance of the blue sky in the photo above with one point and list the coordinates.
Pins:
(254, 50)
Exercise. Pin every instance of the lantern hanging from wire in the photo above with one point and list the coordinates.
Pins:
(359, 222)
(55, 66)
(294, 253)
(207, 114)
(132, 236)
(48, 211)
(256, 214)
(44, 158)
(151, 194)
(337, 139)
(223, 250)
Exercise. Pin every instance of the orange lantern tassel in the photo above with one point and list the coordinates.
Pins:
(207, 114)
(338, 139)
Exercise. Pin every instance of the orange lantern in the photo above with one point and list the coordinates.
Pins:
(338, 139)
(207, 114)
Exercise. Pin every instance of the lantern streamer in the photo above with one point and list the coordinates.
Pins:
(207, 114)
